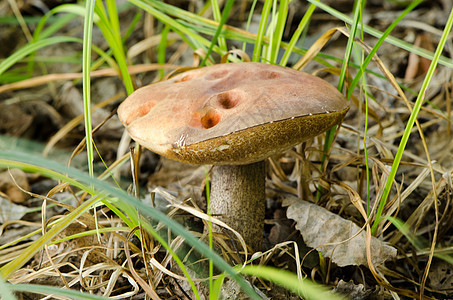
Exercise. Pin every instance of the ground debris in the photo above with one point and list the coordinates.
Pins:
(11, 183)
(356, 291)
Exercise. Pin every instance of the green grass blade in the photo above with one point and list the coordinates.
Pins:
(261, 30)
(193, 39)
(418, 241)
(344, 67)
(302, 287)
(189, 26)
(76, 9)
(41, 33)
(87, 40)
(365, 150)
(115, 44)
(132, 25)
(50, 290)
(294, 39)
(266, 53)
(162, 48)
(249, 20)
(330, 134)
(178, 13)
(32, 47)
(109, 27)
(113, 18)
(278, 30)
(411, 121)
(225, 14)
(215, 291)
(218, 18)
(6, 291)
(348, 51)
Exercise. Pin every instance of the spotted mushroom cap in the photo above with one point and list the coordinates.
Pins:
(235, 113)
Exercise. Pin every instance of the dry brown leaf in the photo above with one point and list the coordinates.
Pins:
(418, 65)
(315, 48)
(334, 236)
(8, 185)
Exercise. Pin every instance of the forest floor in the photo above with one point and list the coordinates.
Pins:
(412, 261)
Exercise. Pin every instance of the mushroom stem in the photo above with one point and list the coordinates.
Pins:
(238, 199)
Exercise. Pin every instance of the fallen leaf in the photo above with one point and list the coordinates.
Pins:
(326, 232)
(418, 65)
(10, 211)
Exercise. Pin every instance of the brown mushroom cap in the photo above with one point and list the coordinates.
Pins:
(235, 113)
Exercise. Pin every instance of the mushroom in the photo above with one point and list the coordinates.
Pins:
(233, 116)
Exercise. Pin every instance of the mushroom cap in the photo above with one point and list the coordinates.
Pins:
(235, 113)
